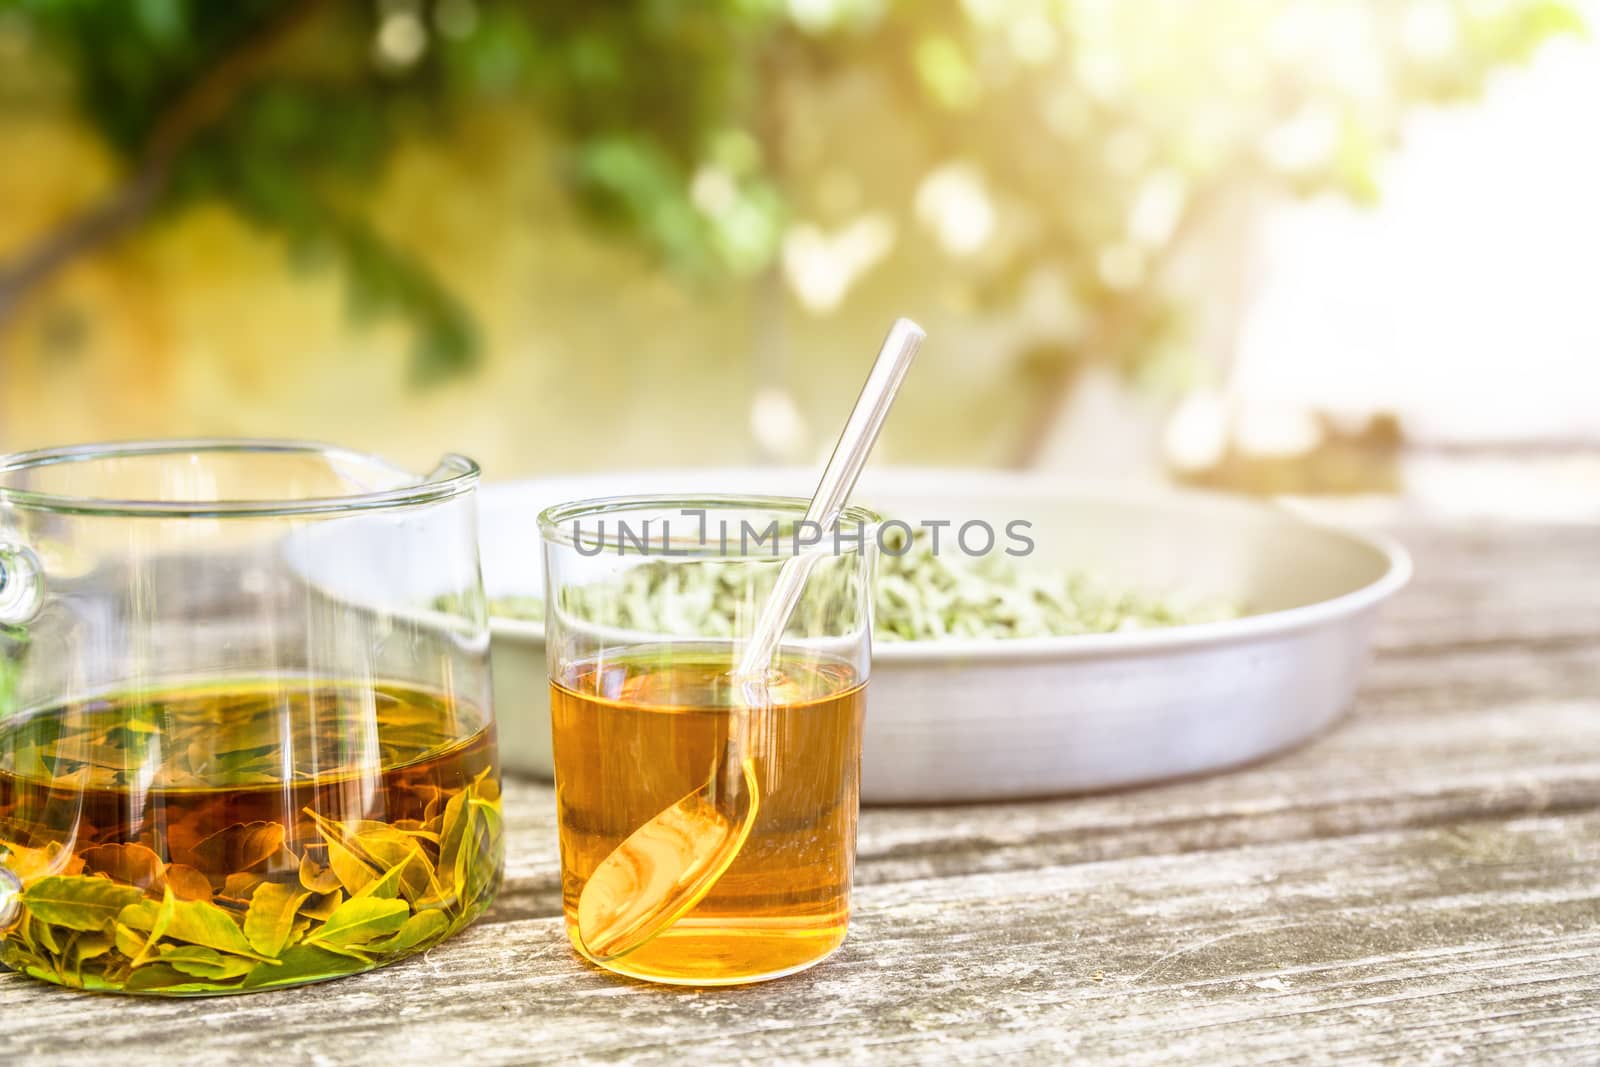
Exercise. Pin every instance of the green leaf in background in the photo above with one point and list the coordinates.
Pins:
(697, 131)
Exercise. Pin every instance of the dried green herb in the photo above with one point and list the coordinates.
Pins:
(920, 595)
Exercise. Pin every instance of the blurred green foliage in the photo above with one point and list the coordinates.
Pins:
(1096, 132)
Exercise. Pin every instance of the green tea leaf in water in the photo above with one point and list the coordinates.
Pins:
(419, 929)
(320, 907)
(271, 918)
(402, 855)
(302, 963)
(353, 871)
(474, 880)
(44, 936)
(130, 864)
(241, 846)
(28, 865)
(143, 915)
(384, 888)
(167, 979)
(195, 885)
(150, 918)
(130, 942)
(239, 885)
(187, 883)
(456, 821)
(360, 920)
(78, 902)
(316, 878)
(90, 946)
(201, 962)
(200, 923)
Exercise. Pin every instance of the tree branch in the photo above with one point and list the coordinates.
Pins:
(205, 102)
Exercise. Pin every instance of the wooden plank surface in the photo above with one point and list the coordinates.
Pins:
(1421, 884)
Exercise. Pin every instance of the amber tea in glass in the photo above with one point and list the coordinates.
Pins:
(240, 747)
(707, 827)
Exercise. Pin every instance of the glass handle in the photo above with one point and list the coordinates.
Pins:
(21, 584)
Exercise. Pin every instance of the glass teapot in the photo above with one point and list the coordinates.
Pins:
(246, 738)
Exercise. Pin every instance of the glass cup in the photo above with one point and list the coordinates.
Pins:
(707, 821)
(245, 732)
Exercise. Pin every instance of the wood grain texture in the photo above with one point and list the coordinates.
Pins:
(1419, 885)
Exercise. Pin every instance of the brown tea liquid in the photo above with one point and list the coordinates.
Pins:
(634, 735)
(237, 835)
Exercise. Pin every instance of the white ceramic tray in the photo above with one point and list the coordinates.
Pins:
(971, 720)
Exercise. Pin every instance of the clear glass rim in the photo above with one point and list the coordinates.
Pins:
(454, 474)
(557, 523)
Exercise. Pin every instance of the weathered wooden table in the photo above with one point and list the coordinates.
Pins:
(1419, 885)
